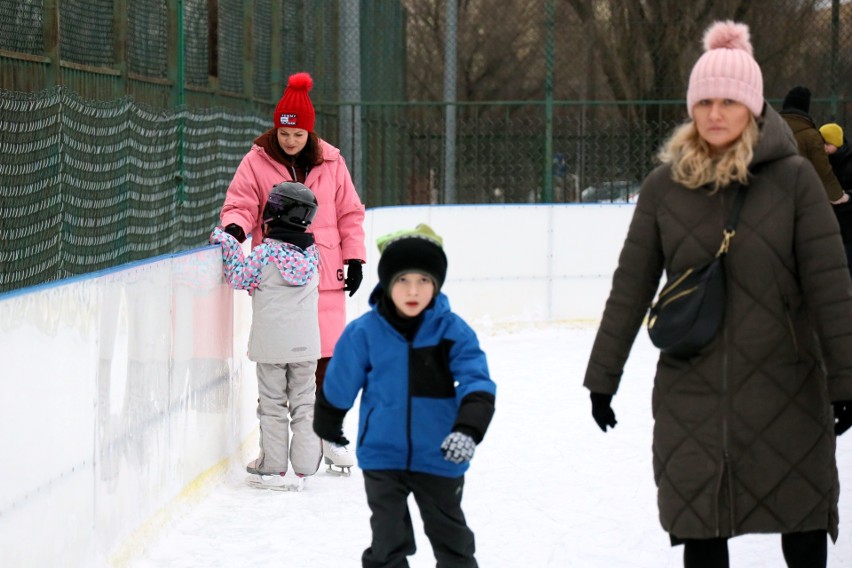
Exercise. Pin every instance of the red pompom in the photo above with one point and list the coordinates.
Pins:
(300, 81)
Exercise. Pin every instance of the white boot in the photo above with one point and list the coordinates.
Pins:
(274, 481)
(338, 458)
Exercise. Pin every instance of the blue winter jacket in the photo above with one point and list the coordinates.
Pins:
(410, 391)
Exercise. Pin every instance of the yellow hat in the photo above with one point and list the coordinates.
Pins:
(832, 134)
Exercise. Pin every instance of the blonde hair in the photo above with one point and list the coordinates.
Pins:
(693, 164)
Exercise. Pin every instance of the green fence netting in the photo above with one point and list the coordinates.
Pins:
(87, 186)
(86, 32)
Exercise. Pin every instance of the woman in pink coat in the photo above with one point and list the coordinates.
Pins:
(291, 151)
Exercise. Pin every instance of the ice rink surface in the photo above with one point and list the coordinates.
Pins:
(546, 486)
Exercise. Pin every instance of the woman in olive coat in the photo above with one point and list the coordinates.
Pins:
(744, 431)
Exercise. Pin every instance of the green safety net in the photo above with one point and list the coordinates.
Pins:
(88, 185)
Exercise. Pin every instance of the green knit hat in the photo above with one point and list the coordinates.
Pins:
(418, 250)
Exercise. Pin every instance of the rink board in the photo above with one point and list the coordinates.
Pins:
(121, 389)
(511, 263)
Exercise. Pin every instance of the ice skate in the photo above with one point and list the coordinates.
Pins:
(277, 482)
(273, 481)
(338, 458)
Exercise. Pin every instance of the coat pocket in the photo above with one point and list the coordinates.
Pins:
(330, 267)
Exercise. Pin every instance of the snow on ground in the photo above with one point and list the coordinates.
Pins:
(546, 487)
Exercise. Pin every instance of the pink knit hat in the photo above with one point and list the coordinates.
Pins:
(727, 69)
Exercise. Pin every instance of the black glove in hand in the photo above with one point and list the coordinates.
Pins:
(328, 420)
(236, 231)
(340, 440)
(354, 276)
(602, 411)
(458, 447)
(842, 416)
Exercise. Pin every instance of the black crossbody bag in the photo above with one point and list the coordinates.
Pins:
(691, 306)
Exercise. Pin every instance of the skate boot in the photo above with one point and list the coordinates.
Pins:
(338, 458)
(273, 481)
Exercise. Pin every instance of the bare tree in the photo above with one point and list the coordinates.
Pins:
(645, 49)
(624, 50)
(499, 45)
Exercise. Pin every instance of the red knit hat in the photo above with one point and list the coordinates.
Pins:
(295, 110)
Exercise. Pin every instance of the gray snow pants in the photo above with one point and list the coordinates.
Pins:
(281, 387)
(439, 500)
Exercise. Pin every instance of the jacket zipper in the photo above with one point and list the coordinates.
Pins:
(678, 296)
(674, 284)
(408, 405)
(725, 478)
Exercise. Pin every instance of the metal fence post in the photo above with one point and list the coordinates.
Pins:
(835, 46)
(349, 73)
(450, 45)
(180, 82)
(547, 186)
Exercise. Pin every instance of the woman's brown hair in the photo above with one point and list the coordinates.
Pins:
(311, 154)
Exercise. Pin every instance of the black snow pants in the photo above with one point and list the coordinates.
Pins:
(439, 501)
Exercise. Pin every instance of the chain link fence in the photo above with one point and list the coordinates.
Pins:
(119, 135)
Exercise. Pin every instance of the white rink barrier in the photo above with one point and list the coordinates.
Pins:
(127, 389)
(510, 263)
(120, 390)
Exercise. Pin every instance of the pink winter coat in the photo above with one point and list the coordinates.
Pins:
(337, 228)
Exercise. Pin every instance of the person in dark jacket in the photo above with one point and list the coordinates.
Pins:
(744, 430)
(839, 153)
(840, 157)
(795, 111)
(426, 402)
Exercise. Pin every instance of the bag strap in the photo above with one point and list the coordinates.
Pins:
(731, 227)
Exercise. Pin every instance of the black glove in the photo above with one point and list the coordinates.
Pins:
(602, 411)
(236, 231)
(354, 276)
(340, 440)
(842, 416)
(328, 420)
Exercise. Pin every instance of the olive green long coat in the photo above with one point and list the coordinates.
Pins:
(743, 432)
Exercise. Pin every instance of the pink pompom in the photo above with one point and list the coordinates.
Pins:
(727, 34)
(300, 81)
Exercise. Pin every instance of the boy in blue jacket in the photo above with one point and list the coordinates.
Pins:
(426, 402)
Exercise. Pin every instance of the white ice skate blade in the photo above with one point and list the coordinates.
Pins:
(275, 482)
(338, 470)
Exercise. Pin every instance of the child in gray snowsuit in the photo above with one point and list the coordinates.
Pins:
(281, 277)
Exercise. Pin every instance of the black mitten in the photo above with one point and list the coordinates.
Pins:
(842, 416)
(602, 411)
(328, 420)
(354, 276)
(236, 231)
